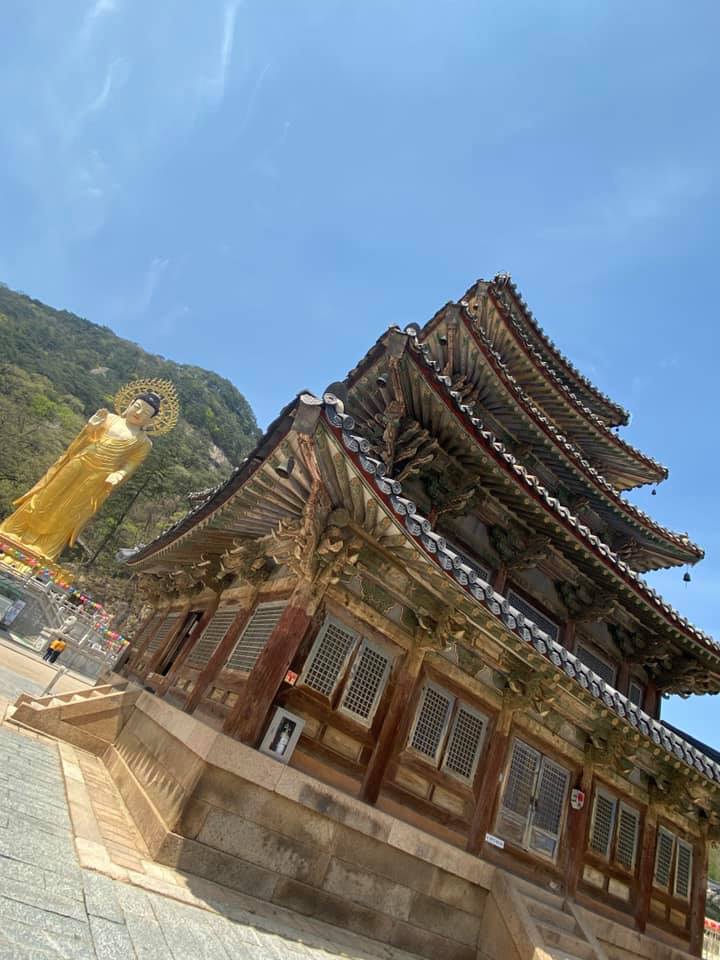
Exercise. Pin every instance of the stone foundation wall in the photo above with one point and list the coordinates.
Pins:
(214, 808)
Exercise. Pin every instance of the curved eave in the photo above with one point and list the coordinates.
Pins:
(221, 495)
(644, 468)
(586, 539)
(683, 549)
(599, 402)
(464, 579)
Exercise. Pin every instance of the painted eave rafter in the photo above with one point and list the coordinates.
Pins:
(652, 471)
(685, 550)
(609, 410)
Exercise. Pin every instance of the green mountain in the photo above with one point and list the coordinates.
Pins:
(57, 369)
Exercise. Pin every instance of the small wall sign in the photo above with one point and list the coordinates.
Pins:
(495, 841)
(291, 678)
(577, 799)
(282, 735)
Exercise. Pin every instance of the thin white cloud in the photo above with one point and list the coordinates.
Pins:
(153, 275)
(94, 14)
(115, 76)
(214, 85)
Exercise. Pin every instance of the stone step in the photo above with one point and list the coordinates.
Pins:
(545, 913)
(565, 944)
(532, 892)
(556, 954)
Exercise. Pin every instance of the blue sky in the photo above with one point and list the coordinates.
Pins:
(262, 188)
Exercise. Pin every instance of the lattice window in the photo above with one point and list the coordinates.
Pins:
(464, 743)
(601, 667)
(367, 682)
(663, 857)
(636, 693)
(163, 632)
(431, 721)
(683, 870)
(531, 812)
(256, 634)
(532, 613)
(212, 635)
(628, 831)
(328, 657)
(603, 823)
(548, 808)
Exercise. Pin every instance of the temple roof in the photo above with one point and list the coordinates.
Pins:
(491, 307)
(593, 398)
(345, 461)
(658, 546)
(259, 518)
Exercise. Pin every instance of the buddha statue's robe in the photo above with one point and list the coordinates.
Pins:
(52, 514)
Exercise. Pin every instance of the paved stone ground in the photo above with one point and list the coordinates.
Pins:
(24, 671)
(52, 906)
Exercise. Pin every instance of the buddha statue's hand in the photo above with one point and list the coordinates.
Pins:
(100, 417)
(113, 479)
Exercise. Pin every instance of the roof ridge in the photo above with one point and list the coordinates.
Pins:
(571, 448)
(574, 399)
(507, 280)
(455, 565)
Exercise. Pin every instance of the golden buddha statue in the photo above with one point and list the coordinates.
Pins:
(106, 453)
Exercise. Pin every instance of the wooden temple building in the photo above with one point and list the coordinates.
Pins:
(423, 593)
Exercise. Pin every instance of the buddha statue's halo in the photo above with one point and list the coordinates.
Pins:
(166, 417)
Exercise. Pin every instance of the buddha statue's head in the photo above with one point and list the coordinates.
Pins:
(143, 408)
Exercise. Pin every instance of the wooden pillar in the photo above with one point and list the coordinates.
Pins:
(392, 727)
(576, 829)
(249, 715)
(219, 657)
(567, 636)
(623, 678)
(499, 581)
(647, 868)
(698, 895)
(490, 781)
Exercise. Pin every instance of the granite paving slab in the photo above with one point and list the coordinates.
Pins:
(51, 906)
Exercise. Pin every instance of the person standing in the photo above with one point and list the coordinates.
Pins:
(50, 650)
(58, 649)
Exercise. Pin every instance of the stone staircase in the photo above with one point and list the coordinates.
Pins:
(540, 924)
(89, 718)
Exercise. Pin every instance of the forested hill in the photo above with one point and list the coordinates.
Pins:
(57, 369)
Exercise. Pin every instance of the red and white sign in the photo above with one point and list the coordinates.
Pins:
(577, 799)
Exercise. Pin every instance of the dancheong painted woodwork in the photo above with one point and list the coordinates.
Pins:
(434, 572)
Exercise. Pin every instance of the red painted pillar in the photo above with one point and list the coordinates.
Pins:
(392, 727)
(489, 784)
(249, 715)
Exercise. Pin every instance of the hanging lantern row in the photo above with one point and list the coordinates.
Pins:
(60, 578)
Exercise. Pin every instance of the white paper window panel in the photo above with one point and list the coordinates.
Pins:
(368, 679)
(213, 634)
(163, 632)
(464, 743)
(601, 667)
(636, 693)
(663, 857)
(683, 870)
(603, 823)
(548, 809)
(628, 831)
(431, 721)
(521, 780)
(532, 613)
(256, 634)
(329, 656)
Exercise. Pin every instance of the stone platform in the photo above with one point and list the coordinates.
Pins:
(211, 818)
